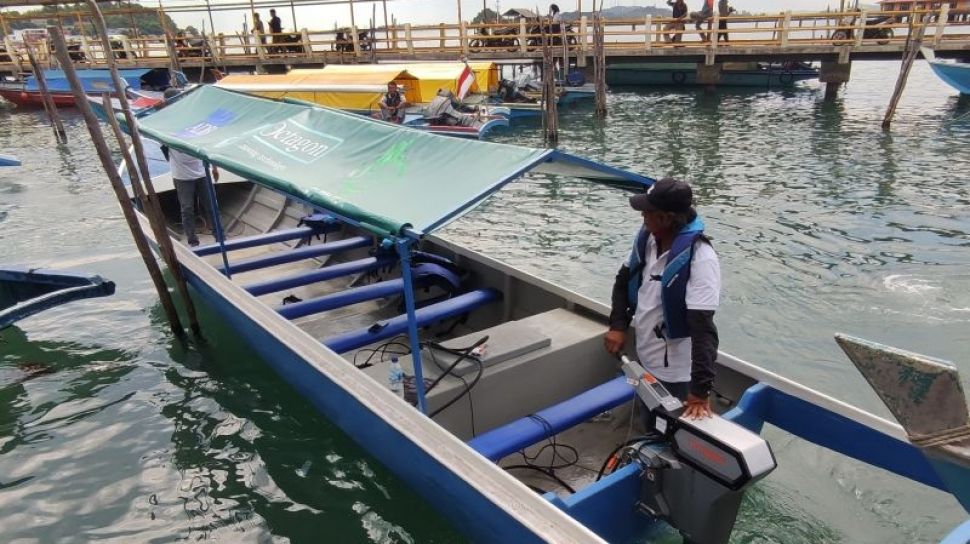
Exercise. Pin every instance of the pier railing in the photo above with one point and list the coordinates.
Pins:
(781, 34)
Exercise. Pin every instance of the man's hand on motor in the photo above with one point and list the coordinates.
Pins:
(697, 408)
(614, 341)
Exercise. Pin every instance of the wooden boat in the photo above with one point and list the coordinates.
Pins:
(320, 274)
(137, 101)
(955, 74)
(9, 160)
(734, 74)
(26, 291)
(25, 93)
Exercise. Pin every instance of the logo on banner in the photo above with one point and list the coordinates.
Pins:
(216, 120)
(297, 142)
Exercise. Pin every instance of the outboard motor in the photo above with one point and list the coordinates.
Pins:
(695, 476)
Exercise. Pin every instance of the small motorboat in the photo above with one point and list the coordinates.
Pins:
(955, 74)
(480, 127)
(733, 74)
(27, 291)
(26, 93)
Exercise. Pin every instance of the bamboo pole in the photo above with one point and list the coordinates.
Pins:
(45, 95)
(909, 55)
(104, 154)
(154, 211)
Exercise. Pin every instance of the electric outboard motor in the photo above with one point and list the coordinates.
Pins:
(694, 478)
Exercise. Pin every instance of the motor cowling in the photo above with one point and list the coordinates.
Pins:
(696, 472)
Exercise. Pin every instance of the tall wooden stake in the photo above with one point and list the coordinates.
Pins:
(94, 128)
(599, 65)
(909, 55)
(49, 105)
(549, 98)
(154, 210)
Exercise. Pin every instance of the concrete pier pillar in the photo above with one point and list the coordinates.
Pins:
(709, 75)
(833, 75)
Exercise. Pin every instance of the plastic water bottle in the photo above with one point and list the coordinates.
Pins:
(395, 378)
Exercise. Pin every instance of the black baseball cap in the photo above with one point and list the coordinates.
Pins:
(666, 195)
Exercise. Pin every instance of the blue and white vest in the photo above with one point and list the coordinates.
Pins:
(673, 292)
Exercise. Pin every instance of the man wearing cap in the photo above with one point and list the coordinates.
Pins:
(668, 289)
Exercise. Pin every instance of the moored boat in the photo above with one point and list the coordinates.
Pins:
(319, 276)
(27, 291)
(25, 93)
(9, 160)
(737, 74)
(955, 74)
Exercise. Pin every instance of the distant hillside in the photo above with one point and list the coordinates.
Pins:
(621, 12)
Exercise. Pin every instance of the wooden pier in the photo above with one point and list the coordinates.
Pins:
(834, 38)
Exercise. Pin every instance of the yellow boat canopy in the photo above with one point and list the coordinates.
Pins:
(343, 89)
(431, 76)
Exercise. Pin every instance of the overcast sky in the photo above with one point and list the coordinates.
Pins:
(435, 11)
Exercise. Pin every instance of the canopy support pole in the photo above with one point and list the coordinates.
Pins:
(403, 247)
(210, 188)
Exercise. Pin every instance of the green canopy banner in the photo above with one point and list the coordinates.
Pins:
(389, 179)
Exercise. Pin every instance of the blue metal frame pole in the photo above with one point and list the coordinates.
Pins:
(216, 222)
(403, 247)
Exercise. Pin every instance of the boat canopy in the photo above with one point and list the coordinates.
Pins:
(389, 179)
(431, 76)
(93, 81)
(350, 90)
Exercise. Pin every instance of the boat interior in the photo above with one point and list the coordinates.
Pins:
(513, 365)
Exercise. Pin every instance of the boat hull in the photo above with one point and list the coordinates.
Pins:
(956, 75)
(687, 76)
(33, 99)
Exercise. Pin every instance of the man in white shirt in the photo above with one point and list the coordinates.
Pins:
(669, 289)
(188, 175)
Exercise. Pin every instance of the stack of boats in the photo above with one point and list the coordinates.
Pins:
(332, 266)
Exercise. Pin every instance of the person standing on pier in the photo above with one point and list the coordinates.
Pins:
(668, 289)
(679, 8)
(723, 10)
(188, 175)
(702, 16)
(258, 28)
(275, 26)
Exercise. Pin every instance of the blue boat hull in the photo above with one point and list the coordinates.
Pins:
(956, 74)
(9, 160)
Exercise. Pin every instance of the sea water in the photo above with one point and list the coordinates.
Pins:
(112, 430)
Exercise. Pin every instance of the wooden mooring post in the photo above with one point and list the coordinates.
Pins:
(909, 55)
(151, 205)
(550, 99)
(104, 154)
(45, 95)
(599, 65)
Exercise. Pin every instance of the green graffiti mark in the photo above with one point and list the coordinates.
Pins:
(394, 157)
(920, 383)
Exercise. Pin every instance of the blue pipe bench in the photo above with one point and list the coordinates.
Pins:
(427, 315)
(299, 254)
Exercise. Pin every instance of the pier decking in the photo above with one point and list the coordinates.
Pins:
(827, 36)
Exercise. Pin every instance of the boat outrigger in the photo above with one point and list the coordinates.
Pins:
(324, 260)
(26, 291)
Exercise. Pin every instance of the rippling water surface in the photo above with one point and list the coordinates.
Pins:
(110, 430)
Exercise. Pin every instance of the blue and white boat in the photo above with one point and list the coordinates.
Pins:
(26, 291)
(333, 266)
(9, 160)
(955, 74)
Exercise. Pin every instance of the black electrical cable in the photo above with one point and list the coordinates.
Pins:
(652, 438)
(462, 353)
(471, 405)
(478, 376)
